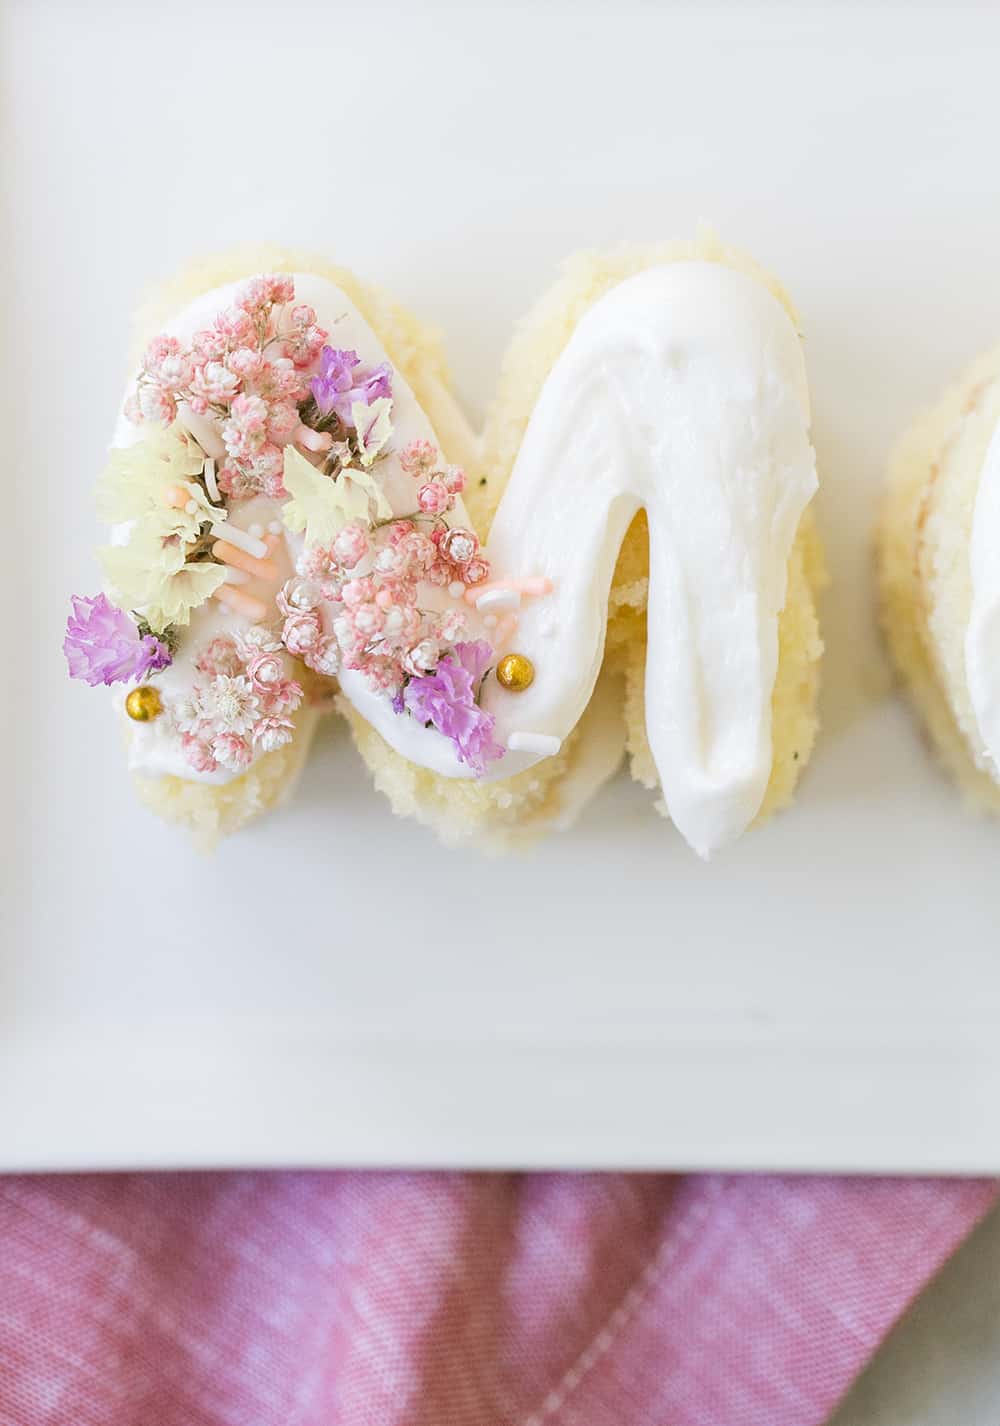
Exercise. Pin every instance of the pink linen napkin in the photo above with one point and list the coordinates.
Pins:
(397, 1299)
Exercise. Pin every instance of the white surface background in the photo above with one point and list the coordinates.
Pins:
(825, 995)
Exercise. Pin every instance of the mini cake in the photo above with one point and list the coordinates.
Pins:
(939, 567)
(290, 530)
(654, 400)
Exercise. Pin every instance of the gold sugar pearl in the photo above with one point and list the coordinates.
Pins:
(515, 672)
(143, 704)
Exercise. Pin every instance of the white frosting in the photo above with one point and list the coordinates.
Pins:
(682, 390)
(982, 637)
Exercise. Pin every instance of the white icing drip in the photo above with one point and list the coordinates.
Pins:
(982, 637)
(683, 390)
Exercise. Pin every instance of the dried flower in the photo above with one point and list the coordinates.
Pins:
(230, 704)
(458, 545)
(198, 753)
(373, 425)
(264, 670)
(273, 732)
(231, 751)
(434, 498)
(418, 458)
(220, 655)
(301, 632)
(447, 700)
(103, 645)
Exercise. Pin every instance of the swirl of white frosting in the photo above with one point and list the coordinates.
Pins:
(683, 390)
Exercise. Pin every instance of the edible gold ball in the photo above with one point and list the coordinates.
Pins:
(143, 704)
(515, 673)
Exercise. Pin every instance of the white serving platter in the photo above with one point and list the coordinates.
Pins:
(332, 987)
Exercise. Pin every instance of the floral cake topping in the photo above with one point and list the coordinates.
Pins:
(259, 404)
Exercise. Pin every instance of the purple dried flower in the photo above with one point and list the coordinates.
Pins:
(337, 385)
(103, 645)
(447, 699)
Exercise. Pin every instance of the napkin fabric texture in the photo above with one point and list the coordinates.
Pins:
(401, 1299)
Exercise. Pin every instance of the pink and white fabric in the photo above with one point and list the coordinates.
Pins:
(347, 1299)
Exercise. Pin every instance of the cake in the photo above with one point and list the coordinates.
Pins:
(940, 577)
(625, 560)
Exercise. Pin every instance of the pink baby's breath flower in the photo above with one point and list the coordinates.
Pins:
(215, 383)
(305, 345)
(282, 287)
(369, 620)
(347, 635)
(232, 751)
(458, 545)
(433, 498)
(420, 550)
(391, 563)
(422, 658)
(273, 732)
(264, 670)
(267, 465)
(176, 372)
(167, 363)
(282, 421)
(254, 295)
(220, 655)
(278, 380)
(198, 753)
(357, 592)
(244, 432)
(297, 595)
(301, 632)
(282, 697)
(156, 405)
(209, 344)
(246, 363)
(351, 545)
(198, 405)
(325, 659)
(454, 478)
(476, 571)
(303, 315)
(237, 483)
(418, 458)
(451, 625)
(256, 639)
(236, 325)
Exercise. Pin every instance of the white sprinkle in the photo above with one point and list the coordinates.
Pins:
(192, 507)
(542, 743)
(456, 589)
(490, 621)
(211, 484)
(236, 576)
(255, 530)
(240, 539)
(274, 527)
(498, 599)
